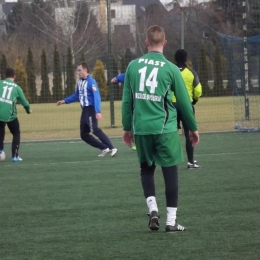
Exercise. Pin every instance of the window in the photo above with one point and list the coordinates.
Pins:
(122, 28)
(113, 13)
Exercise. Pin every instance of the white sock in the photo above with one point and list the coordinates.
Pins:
(151, 203)
(171, 216)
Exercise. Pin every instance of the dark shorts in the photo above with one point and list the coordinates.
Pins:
(88, 120)
(163, 149)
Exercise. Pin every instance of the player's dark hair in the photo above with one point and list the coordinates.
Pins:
(9, 73)
(84, 66)
(180, 56)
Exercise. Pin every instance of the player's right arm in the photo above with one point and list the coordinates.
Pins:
(23, 101)
(127, 101)
(127, 112)
(74, 97)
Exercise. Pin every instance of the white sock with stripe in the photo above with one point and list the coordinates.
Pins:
(171, 216)
(151, 203)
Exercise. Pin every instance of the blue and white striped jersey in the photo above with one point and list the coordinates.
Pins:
(87, 94)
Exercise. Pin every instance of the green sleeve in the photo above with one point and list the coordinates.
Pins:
(23, 101)
(184, 104)
(127, 103)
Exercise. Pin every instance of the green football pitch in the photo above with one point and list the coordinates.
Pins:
(64, 202)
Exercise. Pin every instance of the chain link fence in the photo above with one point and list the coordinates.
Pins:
(45, 40)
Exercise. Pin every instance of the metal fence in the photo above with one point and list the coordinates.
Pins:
(221, 38)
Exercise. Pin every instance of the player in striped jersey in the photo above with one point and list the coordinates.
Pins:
(88, 95)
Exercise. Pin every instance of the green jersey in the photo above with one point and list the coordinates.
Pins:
(10, 93)
(150, 82)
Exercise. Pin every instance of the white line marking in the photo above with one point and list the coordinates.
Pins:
(126, 159)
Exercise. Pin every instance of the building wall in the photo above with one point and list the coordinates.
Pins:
(102, 13)
(125, 15)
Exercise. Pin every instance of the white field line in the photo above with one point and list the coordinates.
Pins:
(74, 140)
(124, 160)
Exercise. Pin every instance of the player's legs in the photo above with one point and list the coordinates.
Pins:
(85, 131)
(147, 179)
(168, 154)
(93, 125)
(188, 145)
(14, 128)
(101, 135)
(170, 175)
(2, 135)
(145, 153)
(189, 148)
(146, 158)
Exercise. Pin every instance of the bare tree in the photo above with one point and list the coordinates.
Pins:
(41, 24)
(68, 24)
(152, 14)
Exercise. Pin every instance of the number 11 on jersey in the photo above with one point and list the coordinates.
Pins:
(7, 92)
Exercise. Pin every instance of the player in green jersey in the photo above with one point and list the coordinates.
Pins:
(10, 93)
(149, 115)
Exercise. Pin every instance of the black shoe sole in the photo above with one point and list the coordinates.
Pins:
(154, 225)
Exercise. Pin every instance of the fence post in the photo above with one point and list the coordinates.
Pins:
(109, 67)
(245, 55)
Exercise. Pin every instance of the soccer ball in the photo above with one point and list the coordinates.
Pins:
(2, 156)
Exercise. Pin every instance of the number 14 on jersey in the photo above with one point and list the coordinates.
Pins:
(150, 81)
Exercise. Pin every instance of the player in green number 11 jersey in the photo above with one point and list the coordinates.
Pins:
(10, 93)
(149, 115)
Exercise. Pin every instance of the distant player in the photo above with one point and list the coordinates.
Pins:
(118, 79)
(88, 95)
(148, 114)
(10, 94)
(194, 89)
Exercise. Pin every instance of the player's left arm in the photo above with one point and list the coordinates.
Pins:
(22, 99)
(197, 88)
(93, 87)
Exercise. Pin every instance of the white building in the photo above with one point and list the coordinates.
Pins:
(123, 19)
